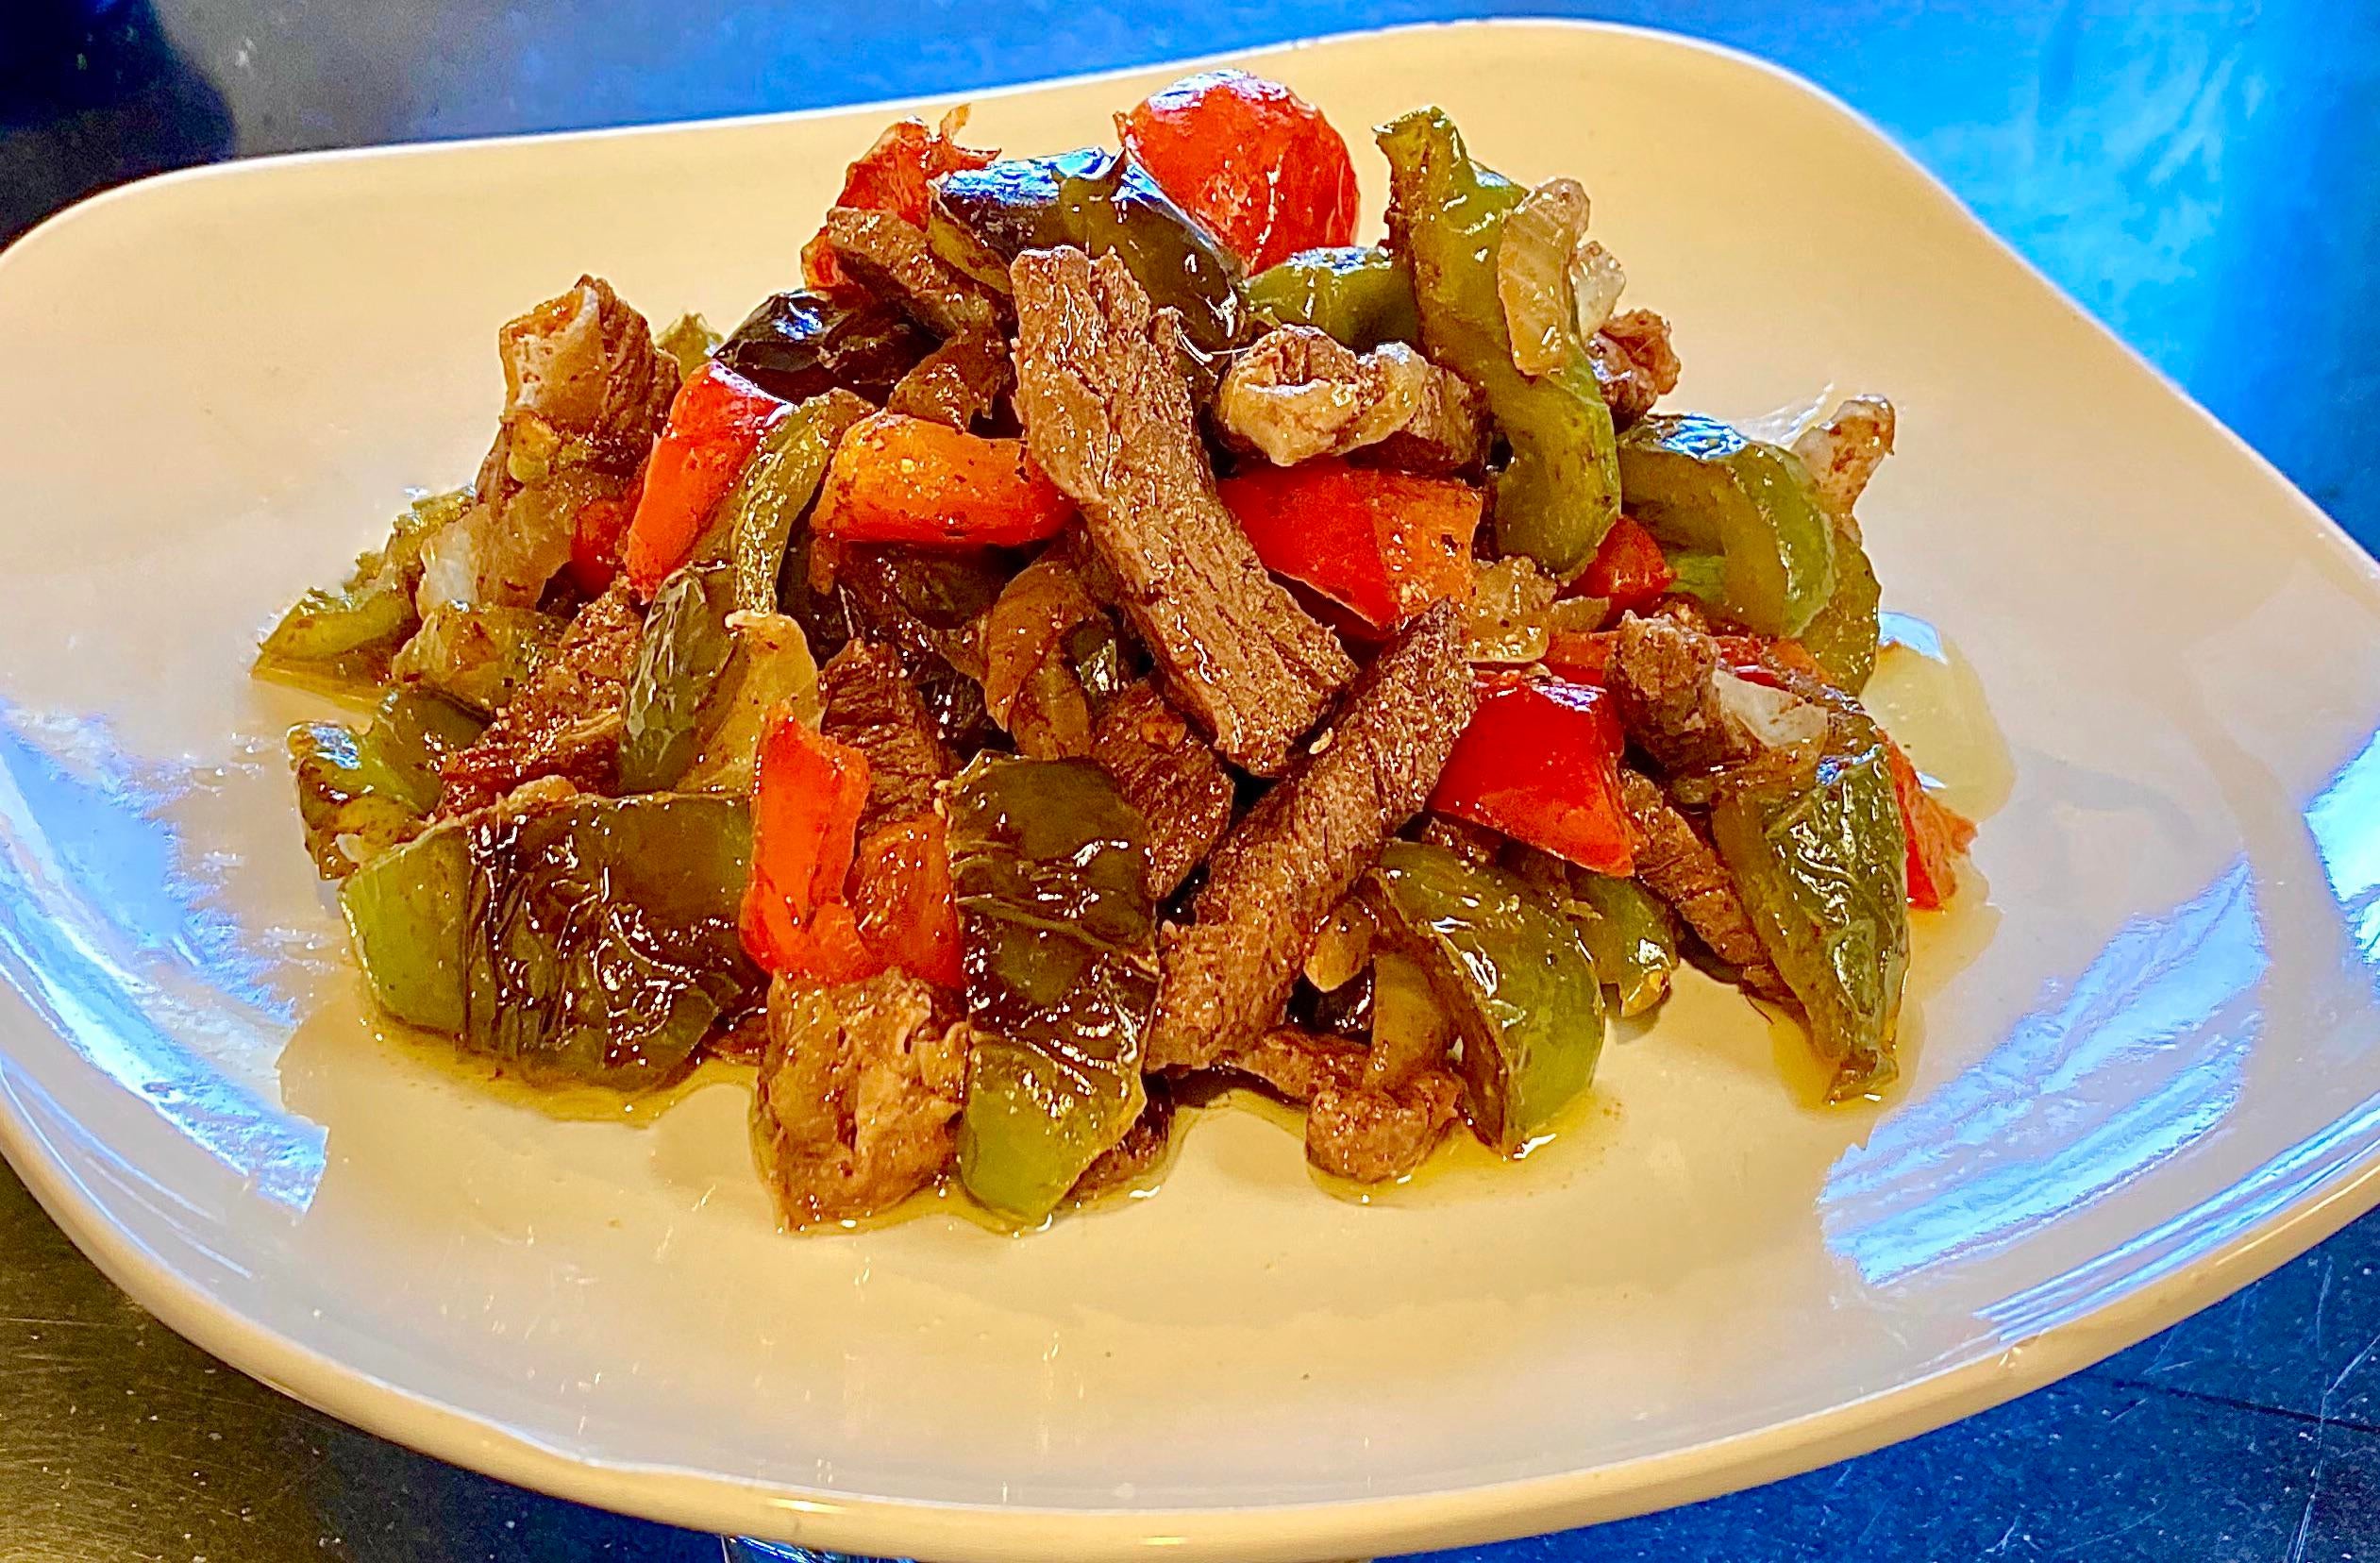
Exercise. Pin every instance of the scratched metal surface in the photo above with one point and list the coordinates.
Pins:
(2204, 177)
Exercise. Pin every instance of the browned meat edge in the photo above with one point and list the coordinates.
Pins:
(891, 258)
(1107, 415)
(1677, 865)
(1288, 865)
(872, 706)
(1176, 783)
(566, 720)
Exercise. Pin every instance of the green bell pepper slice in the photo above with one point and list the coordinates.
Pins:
(341, 642)
(361, 794)
(1843, 634)
(1632, 935)
(478, 657)
(1559, 494)
(760, 513)
(1512, 971)
(1748, 534)
(1362, 296)
(1048, 865)
(592, 942)
(1823, 870)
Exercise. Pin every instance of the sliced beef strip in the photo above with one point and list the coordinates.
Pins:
(1107, 415)
(891, 260)
(1676, 864)
(1296, 394)
(1173, 778)
(957, 383)
(1368, 1134)
(872, 706)
(1289, 862)
(1634, 364)
(566, 720)
(1697, 716)
(859, 1095)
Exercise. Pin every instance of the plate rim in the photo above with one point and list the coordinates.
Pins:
(1289, 1533)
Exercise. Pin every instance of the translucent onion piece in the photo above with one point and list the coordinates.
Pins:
(1596, 283)
(1533, 274)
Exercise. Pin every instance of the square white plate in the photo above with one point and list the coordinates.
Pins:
(2145, 1070)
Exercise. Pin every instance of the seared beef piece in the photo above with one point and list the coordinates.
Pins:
(1366, 1132)
(567, 719)
(1698, 717)
(1677, 865)
(859, 1095)
(1634, 363)
(1297, 393)
(1284, 869)
(1137, 1153)
(1107, 414)
(1844, 452)
(958, 383)
(584, 369)
(585, 393)
(872, 706)
(1470, 842)
(1174, 779)
(891, 258)
(927, 605)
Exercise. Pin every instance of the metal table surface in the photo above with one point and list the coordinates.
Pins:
(2204, 177)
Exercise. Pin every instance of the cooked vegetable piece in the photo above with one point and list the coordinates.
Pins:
(1296, 394)
(1842, 635)
(1030, 687)
(1049, 869)
(901, 891)
(587, 939)
(706, 676)
(893, 176)
(902, 479)
(927, 605)
(597, 534)
(1628, 571)
(1939, 835)
(760, 512)
(341, 642)
(1514, 974)
(1720, 501)
(358, 795)
(1823, 872)
(1560, 492)
(796, 345)
(477, 657)
(806, 803)
(1382, 545)
(1630, 933)
(689, 339)
(565, 718)
(715, 424)
(1540, 763)
(1534, 258)
(1249, 159)
(1362, 294)
(1102, 202)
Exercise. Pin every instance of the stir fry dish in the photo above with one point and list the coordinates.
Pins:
(1106, 633)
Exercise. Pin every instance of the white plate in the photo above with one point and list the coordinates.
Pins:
(2146, 1071)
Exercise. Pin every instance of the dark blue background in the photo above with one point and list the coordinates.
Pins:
(2205, 177)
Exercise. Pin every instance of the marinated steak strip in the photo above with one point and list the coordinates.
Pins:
(891, 258)
(1107, 414)
(1677, 865)
(568, 719)
(859, 1095)
(1695, 716)
(1297, 393)
(1277, 876)
(957, 383)
(1174, 779)
(872, 706)
(1368, 1134)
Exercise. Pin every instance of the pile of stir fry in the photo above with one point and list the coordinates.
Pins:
(1107, 632)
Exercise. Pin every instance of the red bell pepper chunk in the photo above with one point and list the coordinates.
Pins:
(806, 803)
(1938, 834)
(715, 426)
(1382, 545)
(1628, 569)
(1540, 763)
(900, 887)
(902, 479)
(892, 175)
(1256, 164)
